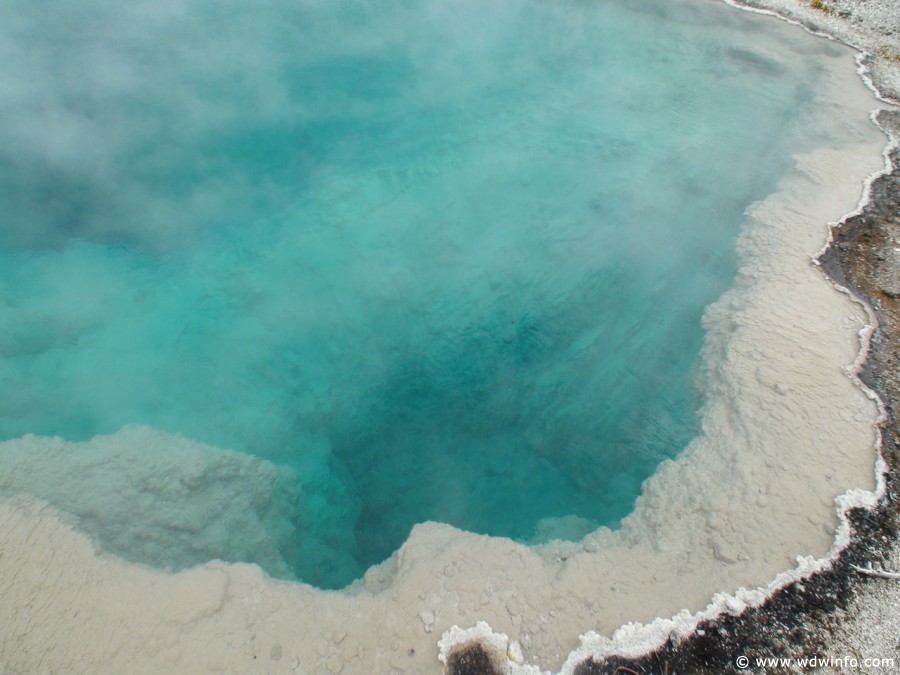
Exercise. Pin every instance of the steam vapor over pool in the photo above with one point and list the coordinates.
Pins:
(433, 262)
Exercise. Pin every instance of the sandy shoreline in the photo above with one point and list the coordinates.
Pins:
(67, 604)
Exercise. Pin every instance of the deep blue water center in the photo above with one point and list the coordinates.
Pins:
(447, 259)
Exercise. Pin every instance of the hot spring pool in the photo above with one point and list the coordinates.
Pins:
(386, 262)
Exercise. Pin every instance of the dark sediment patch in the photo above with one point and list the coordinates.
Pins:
(471, 659)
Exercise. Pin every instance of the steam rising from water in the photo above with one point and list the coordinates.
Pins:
(440, 260)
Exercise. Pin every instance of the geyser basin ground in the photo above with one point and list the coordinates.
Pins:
(753, 489)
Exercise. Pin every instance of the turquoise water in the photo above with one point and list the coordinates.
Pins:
(447, 260)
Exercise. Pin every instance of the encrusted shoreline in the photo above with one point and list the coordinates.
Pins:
(870, 26)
